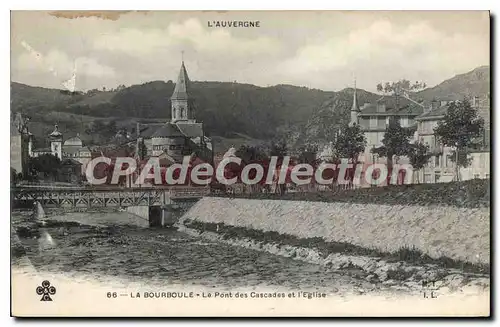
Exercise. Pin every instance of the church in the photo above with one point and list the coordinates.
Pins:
(179, 137)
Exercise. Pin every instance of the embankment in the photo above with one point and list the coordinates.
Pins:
(440, 221)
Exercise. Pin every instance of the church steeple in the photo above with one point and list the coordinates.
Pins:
(181, 109)
(355, 107)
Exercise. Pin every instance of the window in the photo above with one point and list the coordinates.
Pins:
(373, 121)
(436, 161)
(404, 121)
(482, 160)
(437, 177)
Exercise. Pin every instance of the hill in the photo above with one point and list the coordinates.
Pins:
(473, 83)
(226, 109)
(234, 113)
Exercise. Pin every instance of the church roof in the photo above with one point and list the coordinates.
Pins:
(168, 130)
(147, 130)
(181, 91)
(191, 130)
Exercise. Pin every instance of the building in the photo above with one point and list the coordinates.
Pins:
(440, 167)
(20, 144)
(72, 148)
(182, 135)
(374, 118)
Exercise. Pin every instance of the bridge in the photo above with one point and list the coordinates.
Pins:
(104, 197)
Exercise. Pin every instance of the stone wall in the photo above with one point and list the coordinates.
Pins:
(460, 233)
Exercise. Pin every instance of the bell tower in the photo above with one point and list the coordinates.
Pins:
(56, 142)
(355, 108)
(181, 103)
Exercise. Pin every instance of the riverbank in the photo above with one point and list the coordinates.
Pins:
(404, 269)
(458, 233)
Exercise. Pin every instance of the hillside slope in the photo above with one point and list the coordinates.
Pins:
(229, 110)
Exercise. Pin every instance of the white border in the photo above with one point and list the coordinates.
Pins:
(492, 5)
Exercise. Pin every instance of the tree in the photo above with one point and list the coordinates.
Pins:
(419, 156)
(250, 154)
(47, 164)
(111, 128)
(279, 149)
(350, 142)
(400, 88)
(396, 142)
(308, 154)
(460, 129)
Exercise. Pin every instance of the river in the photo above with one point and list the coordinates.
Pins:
(167, 257)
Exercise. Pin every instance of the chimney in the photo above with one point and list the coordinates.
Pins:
(380, 106)
(435, 104)
(475, 101)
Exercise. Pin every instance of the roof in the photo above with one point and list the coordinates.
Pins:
(74, 149)
(168, 130)
(434, 113)
(147, 130)
(181, 91)
(56, 132)
(182, 128)
(407, 110)
(191, 130)
(73, 141)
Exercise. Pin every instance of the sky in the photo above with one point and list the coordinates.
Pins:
(316, 49)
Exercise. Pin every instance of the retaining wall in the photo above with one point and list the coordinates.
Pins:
(460, 233)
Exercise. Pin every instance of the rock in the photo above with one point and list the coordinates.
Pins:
(382, 276)
(389, 282)
(455, 280)
(371, 278)
(413, 285)
(438, 283)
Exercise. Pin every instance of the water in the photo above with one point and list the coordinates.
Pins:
(169, 257)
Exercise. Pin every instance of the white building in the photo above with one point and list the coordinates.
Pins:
(440, 167)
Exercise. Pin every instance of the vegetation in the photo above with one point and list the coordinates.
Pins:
(407, 254)
(299, 115)
(470, 194)
(400, 88)
(350, 142)
(47, 164)
(460, 129)
(419, 156)
(396, 142)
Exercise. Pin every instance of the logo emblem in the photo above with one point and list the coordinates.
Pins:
(46, 291)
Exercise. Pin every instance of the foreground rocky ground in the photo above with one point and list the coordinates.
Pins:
(407, 269)
(219, 262)
(164, 257)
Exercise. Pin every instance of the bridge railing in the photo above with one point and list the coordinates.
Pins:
(104, 197)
